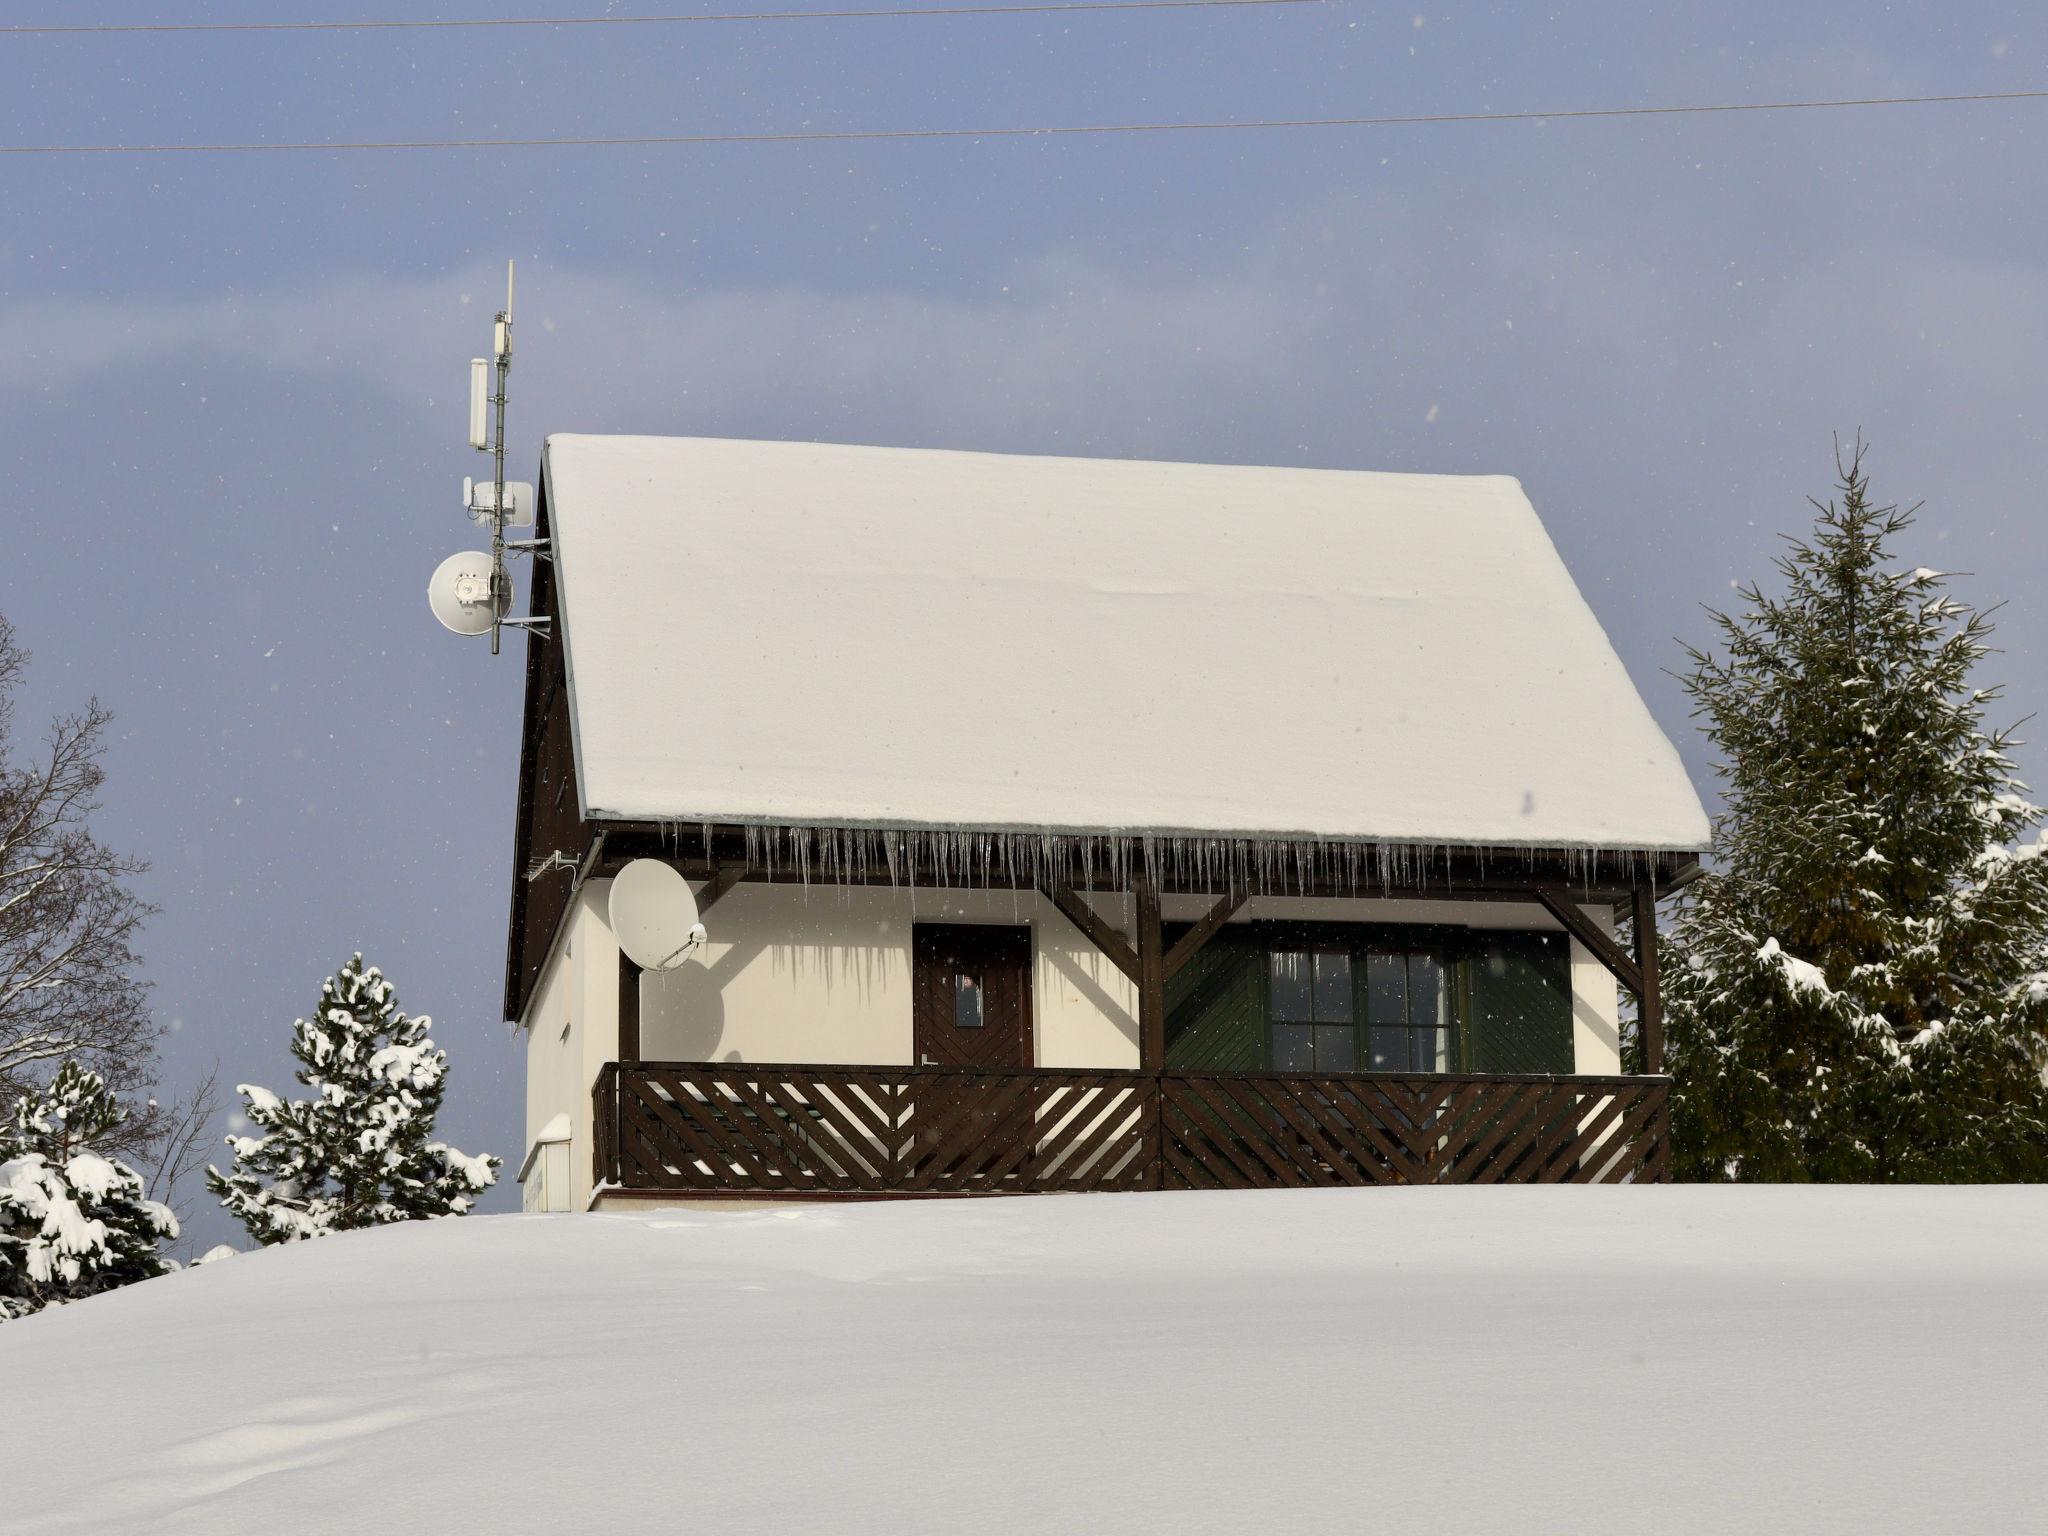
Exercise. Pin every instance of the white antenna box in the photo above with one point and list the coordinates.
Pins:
(479, 402)
(481, 498)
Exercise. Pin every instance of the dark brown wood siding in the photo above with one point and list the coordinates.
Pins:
(549, 820)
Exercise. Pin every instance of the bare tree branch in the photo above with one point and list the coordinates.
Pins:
(70, 987)
(179, 1140)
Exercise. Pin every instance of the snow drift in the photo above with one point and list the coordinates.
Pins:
(1652, 1360)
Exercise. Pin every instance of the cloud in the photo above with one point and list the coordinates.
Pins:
(1340, 333)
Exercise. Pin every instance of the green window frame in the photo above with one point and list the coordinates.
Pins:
(1319, 998)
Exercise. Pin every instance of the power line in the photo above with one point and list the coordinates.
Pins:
(869, 135)
(1021, 8)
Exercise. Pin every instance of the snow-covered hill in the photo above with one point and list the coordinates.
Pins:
(1582, 1360)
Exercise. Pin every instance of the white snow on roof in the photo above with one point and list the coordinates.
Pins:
(811, 633)
(1683, 1360)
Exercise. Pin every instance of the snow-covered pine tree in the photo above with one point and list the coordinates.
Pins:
(1858, 988)
(73, 1221)
(359, 1152)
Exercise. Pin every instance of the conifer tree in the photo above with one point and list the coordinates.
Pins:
(1858, 987)
(73, 1221)
(359, 1152)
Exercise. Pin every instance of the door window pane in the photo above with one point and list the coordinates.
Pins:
(1333, 987)
(1294, 1048)
(1336, 1048)
(1288, 996)
(1386, 989)
(1429, 1013)
(1396, 1017)
(1428, 996)
(1408, 1004)
(967, 1012)
(1310, 1004)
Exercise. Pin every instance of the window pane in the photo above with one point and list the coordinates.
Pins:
(1336, 1048)
(1432, 1050)
(1289, 998)
(1293, 1048)
(966, 1002)
(1386, 989)
(1389, 1050)
(1428, 997)
(1333, 987)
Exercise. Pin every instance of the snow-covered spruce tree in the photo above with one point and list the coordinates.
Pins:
(73, 1221)
(359, 1152)
(1858, 989)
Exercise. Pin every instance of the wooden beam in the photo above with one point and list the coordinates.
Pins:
(1151, 975)
(722, 880)
(1649, 1000)
(629, 1008)
(1574, 921)
(1190, 943)
(1098, 932)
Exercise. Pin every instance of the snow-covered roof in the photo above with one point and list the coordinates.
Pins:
(803, 633)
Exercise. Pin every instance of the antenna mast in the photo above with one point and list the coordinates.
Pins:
(501, 582)
(471, 593)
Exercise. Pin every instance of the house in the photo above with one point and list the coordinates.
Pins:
(1077, 824)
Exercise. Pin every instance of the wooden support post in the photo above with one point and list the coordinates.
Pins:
(719, 886)
(1649, 1001)
(1559, 904)
(629, 1009)
(1105, 938)
(1189, 944)
(1151, 938)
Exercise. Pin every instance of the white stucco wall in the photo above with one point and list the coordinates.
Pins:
(821, 974)
(573, 1030)
(1596, 1005)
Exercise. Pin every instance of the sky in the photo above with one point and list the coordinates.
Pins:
(232, 386)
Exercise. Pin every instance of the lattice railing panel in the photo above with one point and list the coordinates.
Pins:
(1234, 1131)
(935, 1131)
(858, 1130)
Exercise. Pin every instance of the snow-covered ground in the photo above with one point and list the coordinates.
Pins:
(1456, 1360)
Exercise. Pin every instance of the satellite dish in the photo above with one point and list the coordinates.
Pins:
(460, 593)
(654, 915)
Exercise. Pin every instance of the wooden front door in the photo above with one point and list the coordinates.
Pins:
(971, 995)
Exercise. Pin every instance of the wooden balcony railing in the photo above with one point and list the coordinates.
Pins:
(868, 1131)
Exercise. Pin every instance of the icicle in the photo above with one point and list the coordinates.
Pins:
(974, 858)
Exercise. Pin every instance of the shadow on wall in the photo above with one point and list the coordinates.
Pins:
(1082, 976)
(1587, 1018)
(683, 1012)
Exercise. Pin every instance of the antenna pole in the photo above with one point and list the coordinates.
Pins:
(500, 583)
